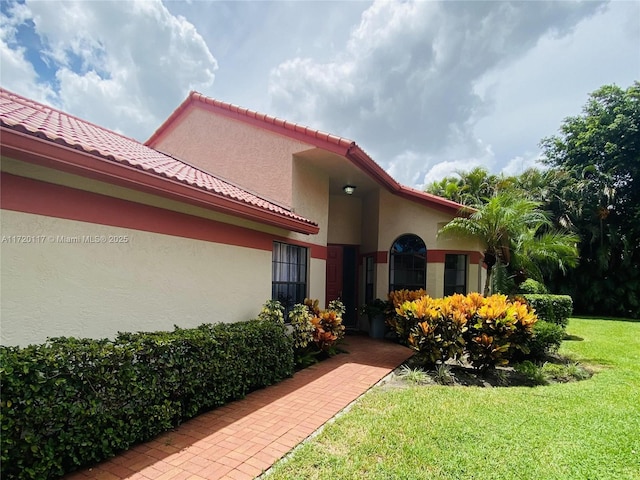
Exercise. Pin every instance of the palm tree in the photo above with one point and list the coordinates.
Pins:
(511, 226)
(536, 253)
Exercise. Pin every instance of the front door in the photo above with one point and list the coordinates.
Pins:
(342, 278)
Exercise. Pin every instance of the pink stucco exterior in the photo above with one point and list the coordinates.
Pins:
(256, 159)
(202, 205)
(307, 176)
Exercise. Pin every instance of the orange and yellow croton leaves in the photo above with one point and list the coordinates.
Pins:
(487, 328)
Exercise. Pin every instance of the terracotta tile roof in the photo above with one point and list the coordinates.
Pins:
(32, 118)
(336, 144)
(296, 130)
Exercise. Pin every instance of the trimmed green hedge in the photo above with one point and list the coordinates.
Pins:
(551, 308)
(71, 402)
(546, 339)
(532, 286)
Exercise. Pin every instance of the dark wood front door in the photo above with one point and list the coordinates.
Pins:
(342, 278)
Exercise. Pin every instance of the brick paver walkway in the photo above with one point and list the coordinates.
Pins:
(244, 438)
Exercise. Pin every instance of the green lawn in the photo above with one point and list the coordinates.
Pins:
(580, 430)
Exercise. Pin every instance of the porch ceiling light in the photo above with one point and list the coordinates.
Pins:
(349, 189)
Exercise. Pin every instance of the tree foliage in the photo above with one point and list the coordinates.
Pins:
(515, 232)
(474, 187)
(597, 157)
(592, 188)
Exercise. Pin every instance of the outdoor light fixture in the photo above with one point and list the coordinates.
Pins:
(349, 189)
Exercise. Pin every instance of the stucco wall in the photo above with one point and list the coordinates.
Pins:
(311, 199)
(398, 217)
(62, 285)
(345, 220)
(370, 221)
(56, 177)
(256, 159)
(317, 280)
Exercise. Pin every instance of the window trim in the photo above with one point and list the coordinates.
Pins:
(291, 265)
(456, 285)
(415, 254)
(369, 278)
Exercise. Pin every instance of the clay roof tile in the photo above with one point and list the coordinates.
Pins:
(32, 118)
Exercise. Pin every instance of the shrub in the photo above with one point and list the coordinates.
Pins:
(401, 325)
(551, 308)
(304, 351)
(546, 339)
(532, 286)
(398, 297)
(328, 330)
(498, 330)
(531, 371)
(439, 326)
(302, 328)
(315, 331)
(375, 308)
(71, 402)
(328, 327)
(488, 330)
(272, 311)
(443, 375)
(413, 375)
(565, 373)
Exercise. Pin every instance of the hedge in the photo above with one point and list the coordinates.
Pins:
(546, 339)
(71, 402)
(551, 308)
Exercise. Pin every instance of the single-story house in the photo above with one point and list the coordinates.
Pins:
(220, 210)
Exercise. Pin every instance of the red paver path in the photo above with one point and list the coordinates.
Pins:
(244, 438)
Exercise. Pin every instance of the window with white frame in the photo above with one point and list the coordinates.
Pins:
(289, 274)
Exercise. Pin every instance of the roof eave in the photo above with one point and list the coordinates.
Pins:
(366, 163)
(339, 145)
(32, 149)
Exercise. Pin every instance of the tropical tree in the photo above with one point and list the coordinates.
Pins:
(597, 157)
(473, 187)
(536, 255)
(512, 228)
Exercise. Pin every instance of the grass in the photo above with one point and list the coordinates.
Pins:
(579, 430)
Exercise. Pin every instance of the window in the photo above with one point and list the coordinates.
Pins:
(408, 266)
(289, 271)
(455, 274)
(369, 279)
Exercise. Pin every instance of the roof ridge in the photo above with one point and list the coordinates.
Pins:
(302, 132)
(33, 118)
(273, 120)
(43, 106)
(333, 143)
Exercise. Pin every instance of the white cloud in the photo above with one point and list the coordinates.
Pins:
(449, 168)
(405, 80)
(458, 160)
(519, 164)
(530, 97)
(17, 73)
(425, 87)
(123, 65)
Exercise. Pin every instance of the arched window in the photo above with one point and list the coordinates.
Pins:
(408, 263)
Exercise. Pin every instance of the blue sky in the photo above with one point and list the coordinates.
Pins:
(426, 88)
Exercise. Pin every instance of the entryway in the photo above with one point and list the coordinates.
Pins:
(342, 280)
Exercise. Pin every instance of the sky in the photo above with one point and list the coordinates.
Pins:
(426, 88)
